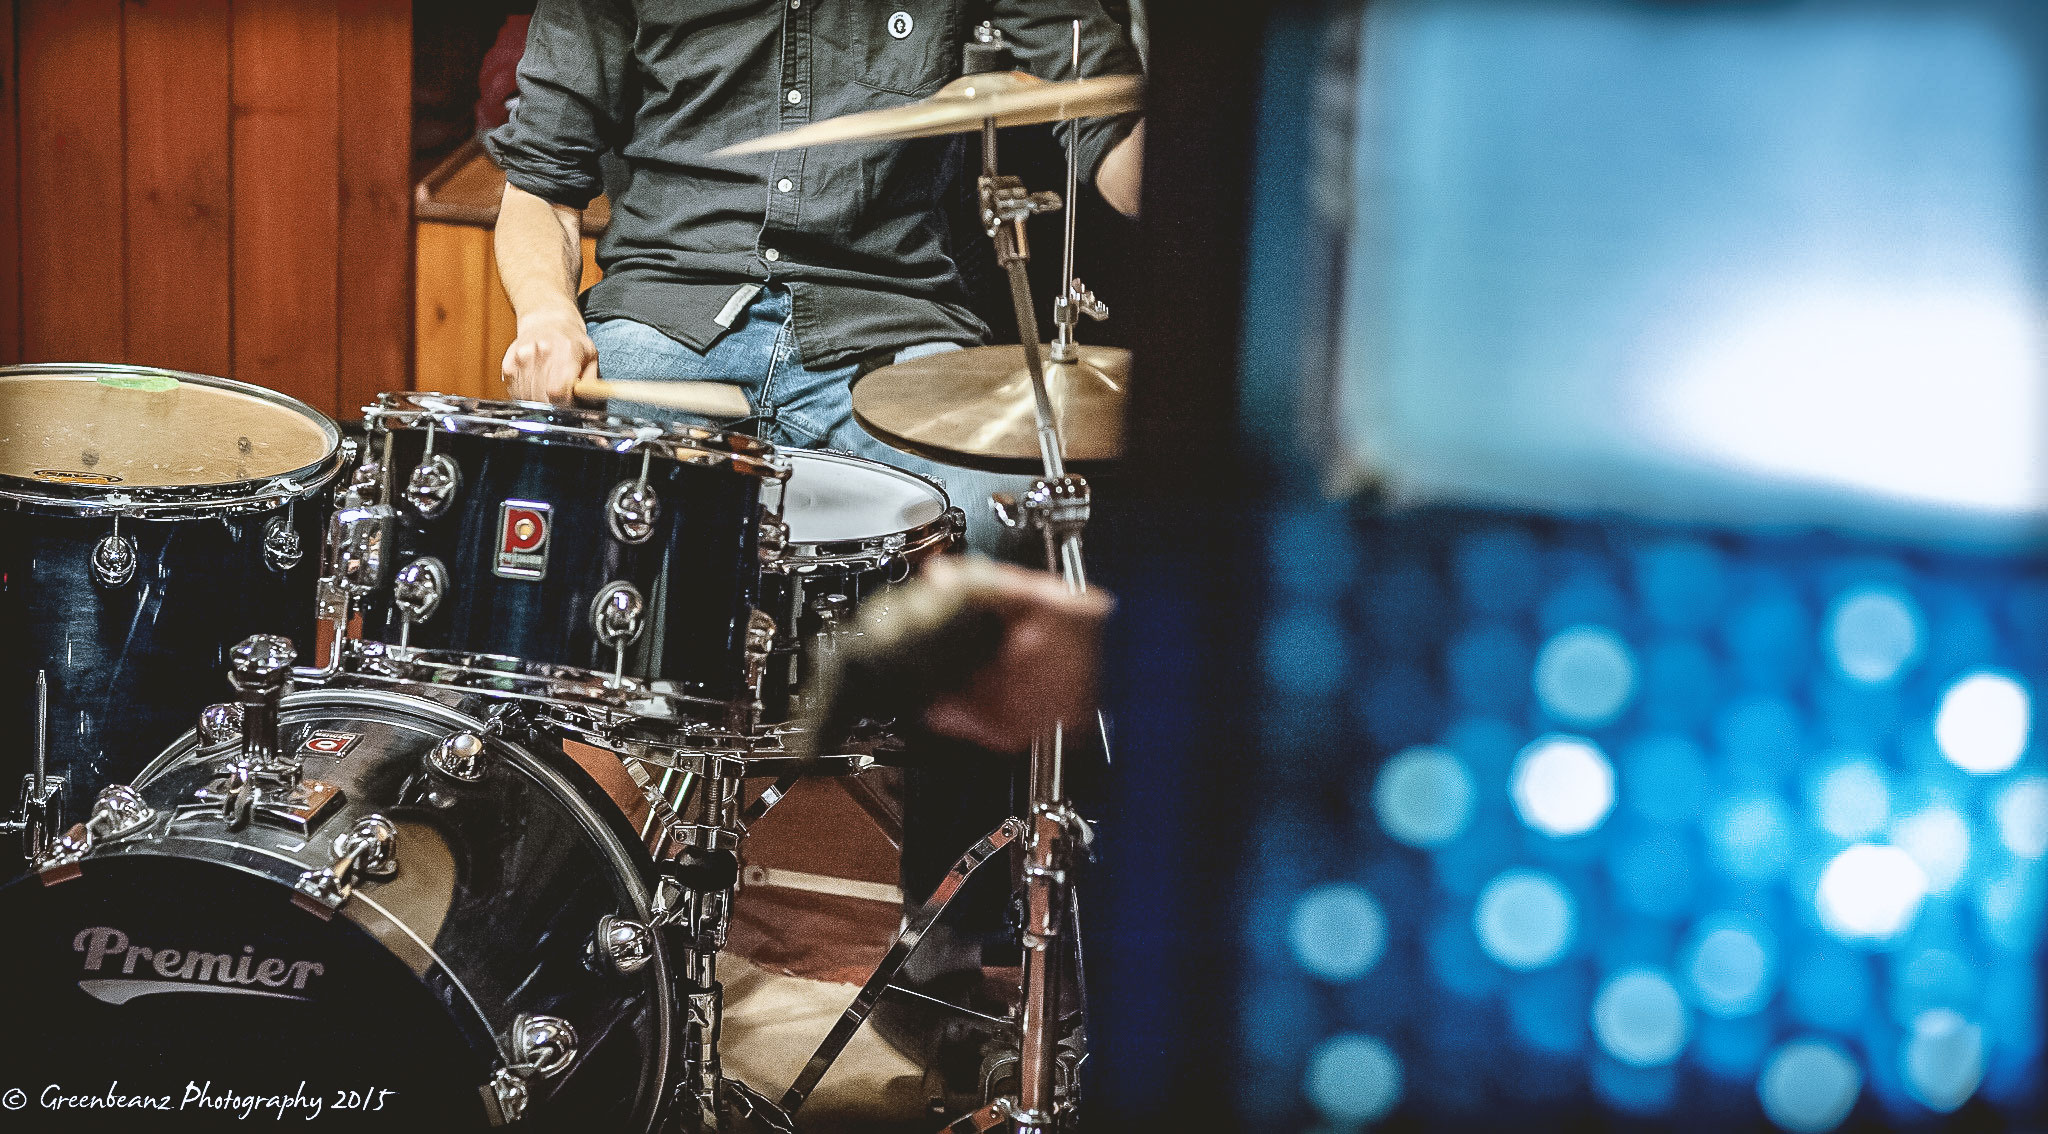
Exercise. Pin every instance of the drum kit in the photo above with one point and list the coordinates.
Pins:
(381, 865)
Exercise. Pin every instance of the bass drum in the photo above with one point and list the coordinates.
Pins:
(463, 983)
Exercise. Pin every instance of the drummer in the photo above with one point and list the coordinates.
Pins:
(790, 274)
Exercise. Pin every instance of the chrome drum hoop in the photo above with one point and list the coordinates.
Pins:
(913, 544)
(497, 676)
(178, 502)
(544, 424)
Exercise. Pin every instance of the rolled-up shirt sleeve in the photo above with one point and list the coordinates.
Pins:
(573, 100)
(1041, 33)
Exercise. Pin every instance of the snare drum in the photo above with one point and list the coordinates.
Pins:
(149, 520)
(856, 528)
(446, 929)
(558, 555)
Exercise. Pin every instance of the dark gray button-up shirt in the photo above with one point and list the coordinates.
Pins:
(854, 231)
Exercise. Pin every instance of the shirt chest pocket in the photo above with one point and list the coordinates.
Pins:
(906, 47)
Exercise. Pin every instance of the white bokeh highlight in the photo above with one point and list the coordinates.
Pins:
(1562, 785)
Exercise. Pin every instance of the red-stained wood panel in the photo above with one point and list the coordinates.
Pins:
(10, 206)
(286, 136)
(375, 288)
(178, 201)
(72, 208)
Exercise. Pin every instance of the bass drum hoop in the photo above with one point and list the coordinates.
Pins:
(876, 551)
(539, 423)
(632, 866)
(174, 502)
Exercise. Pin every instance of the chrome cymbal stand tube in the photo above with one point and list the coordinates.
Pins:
(42, 794)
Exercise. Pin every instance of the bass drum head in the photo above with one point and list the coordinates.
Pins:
(835, 498)
(181, 993)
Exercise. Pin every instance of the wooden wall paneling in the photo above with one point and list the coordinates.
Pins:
(591, 272)
(452, 271)
(501, 326)
(178, 203)
(10, 205)
(375, 289)
(72, 209)
(286, 136)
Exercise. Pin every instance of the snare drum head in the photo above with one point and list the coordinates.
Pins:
(138, 428)
(832, 497)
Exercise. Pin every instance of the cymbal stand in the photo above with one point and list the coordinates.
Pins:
(1074, 299)
(42, 794)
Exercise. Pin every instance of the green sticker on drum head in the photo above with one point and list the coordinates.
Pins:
(153, 383)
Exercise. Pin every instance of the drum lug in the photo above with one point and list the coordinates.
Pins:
(114, 558)
(432, 486)
(220, 723)
(774, 539)
(459, 757)
(631, 510)
(620, 946)
(538, 1047)
(759, 646)
(357, 537)
(282, 547)
(364, 488)
(418, 589)
(118, 812)
(367, 850)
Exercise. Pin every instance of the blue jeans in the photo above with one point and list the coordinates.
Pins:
(794, 406)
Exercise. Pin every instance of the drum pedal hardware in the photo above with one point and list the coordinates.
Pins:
(538, 1047)
(365, 852)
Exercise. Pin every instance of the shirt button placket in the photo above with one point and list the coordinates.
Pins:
(782, 204)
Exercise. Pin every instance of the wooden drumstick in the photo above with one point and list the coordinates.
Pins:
(707, 399)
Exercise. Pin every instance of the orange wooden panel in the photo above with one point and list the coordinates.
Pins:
(287, 94)
(178, 205)
(591, 272)
(69, 57)
(501, 326)
(376, 221)
(10, 205)
(448, 340)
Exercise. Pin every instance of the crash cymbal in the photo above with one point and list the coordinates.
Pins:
(1012, 98)
(974, 407)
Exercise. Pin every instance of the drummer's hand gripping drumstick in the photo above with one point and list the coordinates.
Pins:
(706, 399)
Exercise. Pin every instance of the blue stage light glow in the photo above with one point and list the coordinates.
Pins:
(1751, 836)
(1354, 1079)
(1984, 721)
(1681, 684)
(1296, 651)
(1458, 961)
(1664, 778)
(1524, 919)
(1492, 570)
(1852, 798)
(1337, 932)
(1762, 739)
(1398, 705)
(1562, 785)
(1809, 1086)
(1829, 987)
(1869, 894)
(1874, 633)
(1487, 745)
(1640, 1019)
(1732, 1048)
(1683, 583)
(1585, 676)
(1937, 838)
(1635, 1090)
(1653, 873)
(1423, 797)
(1730, 965)
(2022, 813)
(1768, 635)
(2010, 908)
(1944, 1059)
(1585, 596)
(1548, 1009)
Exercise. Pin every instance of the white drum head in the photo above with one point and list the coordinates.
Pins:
(832, 498)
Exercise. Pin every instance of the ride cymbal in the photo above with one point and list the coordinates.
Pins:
(974, 407)
(1012, 98)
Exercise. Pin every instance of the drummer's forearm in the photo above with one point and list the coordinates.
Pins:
(1121, 173)
(540, 256)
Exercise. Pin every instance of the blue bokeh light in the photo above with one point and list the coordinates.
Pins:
(2022, 815)
(1585, 676)
(1640, 1019)
(1984, 722)
(1852, 798)
(1524, 919)
(1653, 873)
(1874, 633)
(1423, 797)
(1809, 1086)
(1562, 785)
(1730, 965)
(1664, 778)
(1944, 1059)
(1354, 1079)
(1337, 931)
(1752, 836)
(1683, 582)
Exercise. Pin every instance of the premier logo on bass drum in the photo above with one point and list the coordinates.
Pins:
(523, 530)
(137, 970)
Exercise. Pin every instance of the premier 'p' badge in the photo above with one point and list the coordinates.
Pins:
(523, 529)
